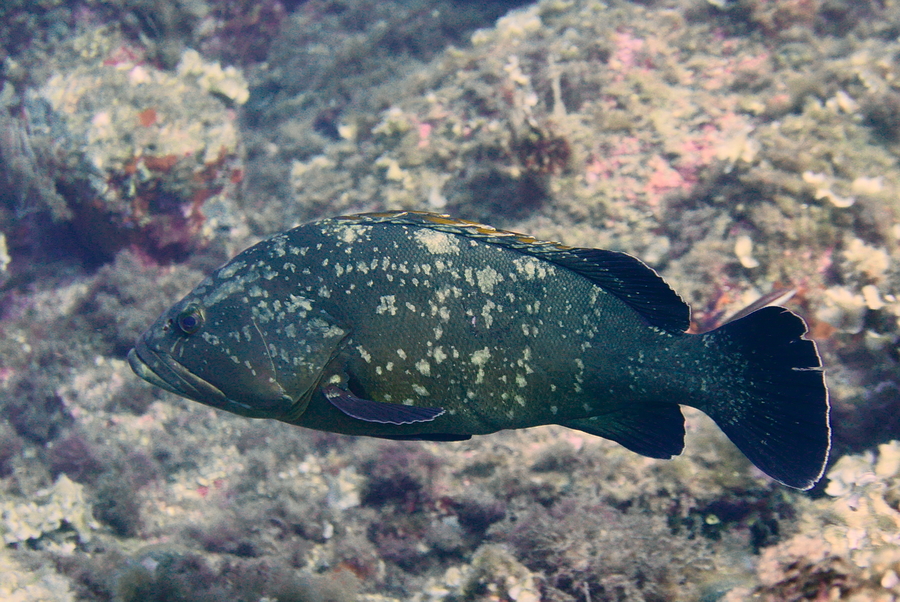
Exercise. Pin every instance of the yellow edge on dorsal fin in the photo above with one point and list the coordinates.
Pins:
(446, 223)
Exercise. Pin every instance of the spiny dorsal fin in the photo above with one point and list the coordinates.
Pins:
(619, 274)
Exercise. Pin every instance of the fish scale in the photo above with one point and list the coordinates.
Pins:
(446, 302)
(413, 325)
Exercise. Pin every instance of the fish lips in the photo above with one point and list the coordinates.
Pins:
(161, 369)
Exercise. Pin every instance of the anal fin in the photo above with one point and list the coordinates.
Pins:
(442, 437)
(376, 411)
(656, 431)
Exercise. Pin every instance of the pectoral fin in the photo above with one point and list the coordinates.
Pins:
(376, 411)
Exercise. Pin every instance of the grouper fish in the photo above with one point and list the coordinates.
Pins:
(408, 325)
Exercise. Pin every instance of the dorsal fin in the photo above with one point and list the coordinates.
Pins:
(626, 277)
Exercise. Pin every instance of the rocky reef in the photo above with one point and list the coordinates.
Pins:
(742, 148)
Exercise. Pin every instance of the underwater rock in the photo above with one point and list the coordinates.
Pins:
(847, 544)
(141, 156)
(61, 505)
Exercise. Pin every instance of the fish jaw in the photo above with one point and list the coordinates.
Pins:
(162, 370)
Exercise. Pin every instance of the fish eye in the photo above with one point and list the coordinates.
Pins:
(190, 319)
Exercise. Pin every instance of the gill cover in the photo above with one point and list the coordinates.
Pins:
(239, 356)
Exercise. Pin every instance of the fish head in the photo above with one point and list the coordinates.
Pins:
(238, 352)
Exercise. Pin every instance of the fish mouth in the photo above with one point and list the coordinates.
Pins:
(162, 370)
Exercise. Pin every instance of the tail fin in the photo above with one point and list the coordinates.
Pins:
(777, 413)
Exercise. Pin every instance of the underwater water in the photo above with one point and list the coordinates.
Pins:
(741, 148)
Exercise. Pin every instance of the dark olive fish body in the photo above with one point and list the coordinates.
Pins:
(417, 326)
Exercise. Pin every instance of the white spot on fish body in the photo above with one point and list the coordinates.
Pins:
(436, 243)
(420, 390)
(486, 313)
(530, 268)
(298, 304)
(230, 288)
(262, 313)
(520, 380)
(231, 269)
(332, 331)
(481, 357)
(351, 233)
(210, 338)
(423, 367)
(367, 357)
(439, 355)
(401, 353)
(387, 305)
(488, 278)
